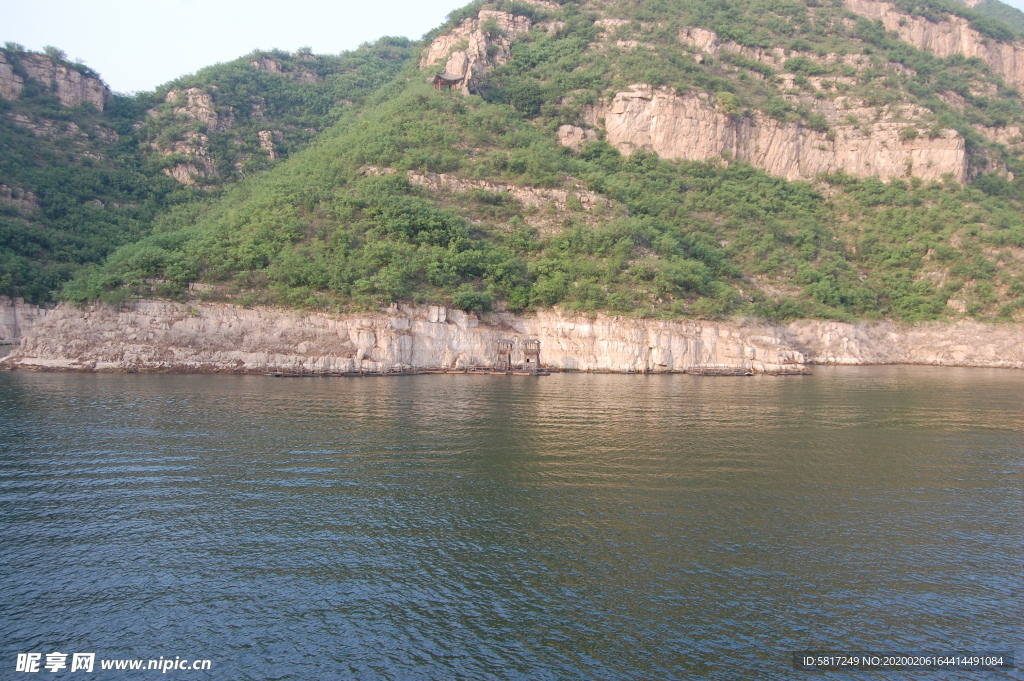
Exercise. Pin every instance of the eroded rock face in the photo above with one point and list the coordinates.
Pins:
(71, 87)
(472, 48)
(197, 104)
(964, 343)
(17, 318)
(267, 143)
(953, 35)
(11, 84)
(300, 75)
(25, 201)
(692, 127)
(548, 204)
(708, 43)
(212, 337)
(165, 336)
(199, 164)
(574, 137)
(194, 104)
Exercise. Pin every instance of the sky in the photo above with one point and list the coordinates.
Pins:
(138, 44)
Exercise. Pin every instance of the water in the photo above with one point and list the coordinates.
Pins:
(567, 527)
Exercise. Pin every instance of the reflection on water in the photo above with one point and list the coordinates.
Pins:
(573, 526)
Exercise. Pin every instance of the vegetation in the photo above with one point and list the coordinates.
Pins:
(359, 212)
(332, 229)
(97, 179)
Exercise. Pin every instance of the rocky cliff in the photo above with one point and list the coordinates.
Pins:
(17, 319)
(71, 86)
(11, 84)
(858, 141)
(475, 46)
(953, 35)
(166, 336)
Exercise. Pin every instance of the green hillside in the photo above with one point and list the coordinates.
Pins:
(81, 181)
(435, 196)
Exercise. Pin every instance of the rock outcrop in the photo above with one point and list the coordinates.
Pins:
(197, 165)
(11, 84)
(23, 200)
(267, 143)
(300, 74)
(217, 337)
(964, 343)
(475, 46)
(574, 137)
(545, 204)
(17, 319)
(945, 38)
(165, 336)
(708, 43)
(690, 126)
(197, 104)
(72, 87)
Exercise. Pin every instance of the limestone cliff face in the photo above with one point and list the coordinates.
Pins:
(546, 207)
(690, 126)
(953, 35)
(197, 165)
(197, 104)
(194, 105)
(167, 336)
(17, 318)
(475, 46)
(964, 343)
(11, 84)
(301, 74)
(72, 88)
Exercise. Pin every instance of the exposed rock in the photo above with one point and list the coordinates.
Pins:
(17, 318)
(469, 52)
(547, 204)
(610, 25)
(11, 83)
(964, 343)
(267, 143)
(705, 42)
(71, 86)
(24, 201)
(575, 137)
(691, 127)
(165, 336)
(701, 39)
(953, 35)
(266, 64)
(199, 164)
(301, 74)
(201, 337)
(197, 104)
(1012, 136)
(552, 27)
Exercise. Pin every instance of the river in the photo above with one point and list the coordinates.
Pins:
(565, 527)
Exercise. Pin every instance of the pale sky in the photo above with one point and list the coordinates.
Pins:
(139, 44)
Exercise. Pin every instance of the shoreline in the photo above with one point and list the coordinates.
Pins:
(157, 336)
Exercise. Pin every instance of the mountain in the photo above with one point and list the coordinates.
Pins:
(84, 170)
(849, 159)
(994, 9)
